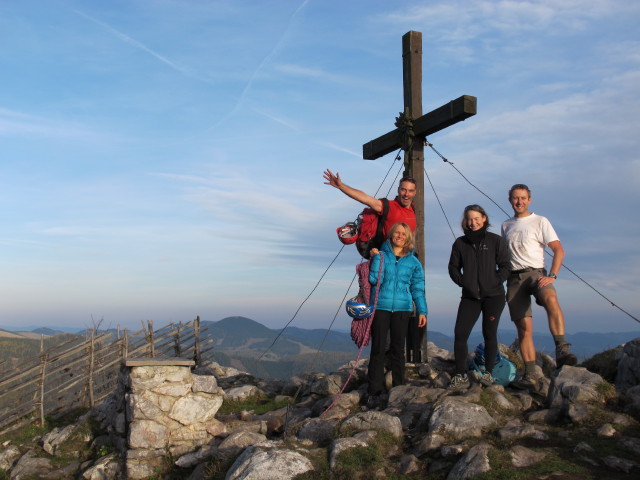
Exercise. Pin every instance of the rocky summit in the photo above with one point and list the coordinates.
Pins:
(215, 422)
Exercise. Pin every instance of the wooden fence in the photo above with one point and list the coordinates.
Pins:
(83, 371)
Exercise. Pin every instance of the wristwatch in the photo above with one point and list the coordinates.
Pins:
(553, 275)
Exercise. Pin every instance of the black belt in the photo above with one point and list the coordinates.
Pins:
(525, 270)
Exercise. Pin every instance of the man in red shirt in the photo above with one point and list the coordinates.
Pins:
(400, 208)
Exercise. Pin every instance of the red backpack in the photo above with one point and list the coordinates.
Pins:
(369, 227)
(366, 231)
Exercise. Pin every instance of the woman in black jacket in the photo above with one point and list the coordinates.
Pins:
(479, 264)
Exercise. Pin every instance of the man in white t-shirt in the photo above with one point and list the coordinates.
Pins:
(526, 235)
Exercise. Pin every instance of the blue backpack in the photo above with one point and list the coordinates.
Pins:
(504, 371)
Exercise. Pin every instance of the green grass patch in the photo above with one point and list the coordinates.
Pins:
(359, 463)
(607, 391)
(259, 404)
(25, 435)
(502, 469)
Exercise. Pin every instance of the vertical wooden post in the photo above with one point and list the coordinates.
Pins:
(43, 369)
(414, 156)
(125, 344)
(176, 342)
(196, 341)
(152, 346)
(92, 348)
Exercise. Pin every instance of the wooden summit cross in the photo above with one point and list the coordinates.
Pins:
(412, 129)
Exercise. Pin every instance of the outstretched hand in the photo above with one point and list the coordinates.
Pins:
(331, 179)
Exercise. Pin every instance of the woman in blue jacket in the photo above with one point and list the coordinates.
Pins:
(479, 264)
(402, 285)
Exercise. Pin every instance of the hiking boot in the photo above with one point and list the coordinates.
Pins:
(487, 379)
(528, 381)
(373, 402)
(564, 355)
(459, 382)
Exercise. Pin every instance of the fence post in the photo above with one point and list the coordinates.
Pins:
(196, 341)
(151, 340)
(125, 344)
(92, 349)
(43, 369)
(176, 342)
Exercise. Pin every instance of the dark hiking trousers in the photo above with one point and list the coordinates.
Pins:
(395, 324)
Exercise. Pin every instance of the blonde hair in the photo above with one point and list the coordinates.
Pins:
(409, 245)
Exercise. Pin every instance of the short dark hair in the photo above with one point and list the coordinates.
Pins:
(473, 208)
(407, 179)
(519, 186)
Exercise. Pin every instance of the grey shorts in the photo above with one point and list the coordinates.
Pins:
(520, 287)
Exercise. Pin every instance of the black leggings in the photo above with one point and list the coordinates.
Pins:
(468, 311)
(385, 322)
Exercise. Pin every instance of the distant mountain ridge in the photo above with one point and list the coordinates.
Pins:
(239, 341)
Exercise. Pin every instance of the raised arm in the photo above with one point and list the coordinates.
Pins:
(358, 195)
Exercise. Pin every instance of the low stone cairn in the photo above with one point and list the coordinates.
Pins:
(164, 421)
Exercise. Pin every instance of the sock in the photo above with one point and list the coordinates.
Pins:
(558, 339)
(529, 367)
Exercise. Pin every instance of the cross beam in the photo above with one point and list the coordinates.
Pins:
(453, 112)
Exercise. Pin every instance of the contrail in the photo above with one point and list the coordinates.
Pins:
(264, 61)
(135, 43)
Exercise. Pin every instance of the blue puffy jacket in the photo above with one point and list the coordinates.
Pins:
(402, 282)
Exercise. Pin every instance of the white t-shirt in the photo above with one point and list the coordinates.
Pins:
(526, 238)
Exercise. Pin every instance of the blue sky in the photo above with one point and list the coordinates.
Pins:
(162, 160)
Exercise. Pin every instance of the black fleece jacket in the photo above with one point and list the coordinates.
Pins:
(480, 269)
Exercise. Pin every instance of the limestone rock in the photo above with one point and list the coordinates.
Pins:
(143, 406)
(459, 419)
(574, 385)
(204, 383)
(405, 395)
(317, 430)
(473, 463)
(260, 463)
(525, 457)
(373, 420)
(30, 465)
(633, 397)
(329, 385)
(148, 434)
(105, 468)
(238, 394)
(340, 445)
(192, 409)
(628, 374)
(408, 464)
(606, 430)
(52, 440)
(620, 464)
(9, 456)
(521, 431)
(240, 440)
(431, 441)
(193, 458)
